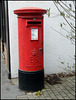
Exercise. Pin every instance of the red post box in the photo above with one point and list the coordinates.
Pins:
(30, 32)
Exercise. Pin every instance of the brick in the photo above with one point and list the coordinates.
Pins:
(19, 98)
(66, 91)
(53, 89)
(70, 96)
(49, 92)
(73, 89)
(70, 82)
(73, 81)
(58, 89)
(68, 88)
(72, 92)
(66, 97)
(63, 94)
(65, 85)
(46, 87)
(55, 85)
(36, 98)
(42, 97)
(22, 96)
(48, 97)
(56, 93)
(61, 87)
(31, 97)
(53, 96)
(50, 86)
(45, 94)
(25, 98)
(59, 96)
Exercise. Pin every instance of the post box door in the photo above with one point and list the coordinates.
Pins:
(33, 48)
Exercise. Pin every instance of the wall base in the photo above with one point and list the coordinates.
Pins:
(31, 81)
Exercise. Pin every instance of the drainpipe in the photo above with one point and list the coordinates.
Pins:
(8, 44)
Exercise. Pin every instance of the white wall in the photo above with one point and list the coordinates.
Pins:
(55, 45)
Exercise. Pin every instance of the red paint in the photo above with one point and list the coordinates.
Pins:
(30, 51)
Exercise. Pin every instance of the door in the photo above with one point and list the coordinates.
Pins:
(33, 45)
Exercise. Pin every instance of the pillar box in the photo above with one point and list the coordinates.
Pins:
(30, 38)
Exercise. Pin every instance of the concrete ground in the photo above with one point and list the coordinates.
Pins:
(10, 90)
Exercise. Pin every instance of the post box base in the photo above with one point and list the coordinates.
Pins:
(31, 81)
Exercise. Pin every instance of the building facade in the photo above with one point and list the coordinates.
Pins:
(55, 45)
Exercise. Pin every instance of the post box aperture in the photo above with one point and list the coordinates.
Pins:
(30, 33)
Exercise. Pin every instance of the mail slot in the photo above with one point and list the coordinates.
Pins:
(33, 23)
(30, 38)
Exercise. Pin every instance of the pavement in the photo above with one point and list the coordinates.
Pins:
(10, 89)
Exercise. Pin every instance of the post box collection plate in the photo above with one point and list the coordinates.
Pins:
(30, 33)
(34, 34)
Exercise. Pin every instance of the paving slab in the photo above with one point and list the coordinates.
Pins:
(10, 89)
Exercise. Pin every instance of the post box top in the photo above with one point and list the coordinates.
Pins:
(30, 10)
